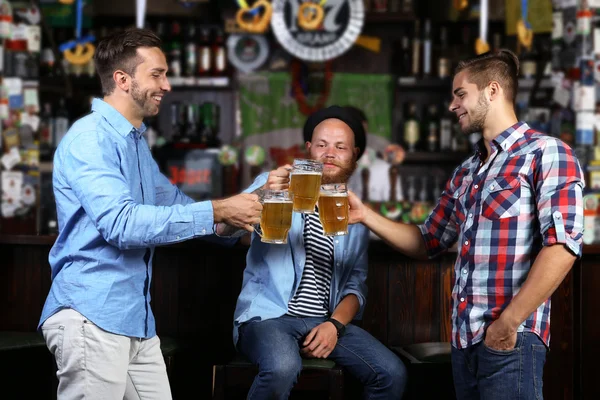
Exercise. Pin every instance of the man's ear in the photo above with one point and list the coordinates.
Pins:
(307, 145)
(122, 80)
(493, 91)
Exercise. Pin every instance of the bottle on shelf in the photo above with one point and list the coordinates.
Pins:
(190, 51)
(191, 127)
(446, 128)
(46, 132)
(427, 45)
(416, 50)
(411, 128)
(174, 58)
(444, 61)
(432, 128)
(219, 54)
(204, 53)
(61, 122)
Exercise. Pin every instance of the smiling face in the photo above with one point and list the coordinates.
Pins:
(469, 104)
(333, 145)
(149, 83)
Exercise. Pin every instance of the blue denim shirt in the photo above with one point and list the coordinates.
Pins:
(113, 207)
(273, 271)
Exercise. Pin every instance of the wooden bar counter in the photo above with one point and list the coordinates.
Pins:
(195, 286)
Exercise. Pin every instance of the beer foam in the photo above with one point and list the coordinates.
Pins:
(306, 173)
(329, 194)
(280, 201)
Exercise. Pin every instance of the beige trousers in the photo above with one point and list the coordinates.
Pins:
(95, 364)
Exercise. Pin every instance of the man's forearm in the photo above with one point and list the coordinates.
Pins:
(405, 238)
(547, 272)
(347, 309)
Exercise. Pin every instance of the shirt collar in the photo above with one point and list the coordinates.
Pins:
(505, 140)
(116, 119)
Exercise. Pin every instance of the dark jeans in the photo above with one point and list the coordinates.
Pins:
(488, 374)
(274, 345)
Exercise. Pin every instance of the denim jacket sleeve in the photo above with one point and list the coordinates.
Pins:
(95, 177)
(357, 281)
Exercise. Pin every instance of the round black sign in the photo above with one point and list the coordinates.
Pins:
(342, 23)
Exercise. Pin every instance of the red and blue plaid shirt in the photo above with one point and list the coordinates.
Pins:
(502, 212)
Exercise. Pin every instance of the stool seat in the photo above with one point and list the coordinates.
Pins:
(232, 380)
(434, 352)
(10, 340)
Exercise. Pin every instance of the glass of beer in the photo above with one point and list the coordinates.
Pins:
(305, 182)
(333, 209)
(276, 216)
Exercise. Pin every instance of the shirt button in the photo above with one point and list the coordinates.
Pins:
(337, 241)
(462, 299)
(470, 215)
(203, 230)
(338, 264)
(465, 271)
(466, 242)
(492, 187)
(476, 186)
(177, 237)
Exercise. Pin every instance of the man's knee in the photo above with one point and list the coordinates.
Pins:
(393, 375)
(285, 369)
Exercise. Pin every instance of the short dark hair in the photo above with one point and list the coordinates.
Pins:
(119, 51)
(501, 66)
(359, 113)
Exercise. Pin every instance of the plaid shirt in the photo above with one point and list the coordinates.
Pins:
(502, 212)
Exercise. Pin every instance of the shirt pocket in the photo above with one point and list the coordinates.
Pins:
(502, 197)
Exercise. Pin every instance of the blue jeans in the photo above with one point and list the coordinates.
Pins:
(487, 374)
(274, 345)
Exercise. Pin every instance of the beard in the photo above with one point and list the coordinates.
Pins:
(477, 116)
(143, 99)
(345, 170)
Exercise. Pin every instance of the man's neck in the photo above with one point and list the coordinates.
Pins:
(495, 124)
(124, 108)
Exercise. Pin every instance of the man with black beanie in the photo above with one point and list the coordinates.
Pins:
(298, 299)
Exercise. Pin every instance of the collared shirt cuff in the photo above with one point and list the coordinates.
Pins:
(557, 234)
(429, 240)
(203, 218)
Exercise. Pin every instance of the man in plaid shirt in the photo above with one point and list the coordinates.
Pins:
(515, 211)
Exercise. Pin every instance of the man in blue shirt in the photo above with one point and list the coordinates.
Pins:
(114, 207)
(298, 299)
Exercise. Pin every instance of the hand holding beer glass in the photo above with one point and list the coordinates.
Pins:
(305, 183)
(333, 209)
(276, 217)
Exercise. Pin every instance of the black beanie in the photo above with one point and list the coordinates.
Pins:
(343, 114)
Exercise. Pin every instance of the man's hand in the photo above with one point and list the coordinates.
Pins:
(279, 179)
(241, 211)
(320, 341)
(358, 210)
(500, 336)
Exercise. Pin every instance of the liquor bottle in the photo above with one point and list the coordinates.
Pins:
(219, 54)
(191, 127)
(411, 128)
(416, 50)
(446, 128)
(204, 53)
(46, 130)
(61, 122)
(444, 61)
(412, 190)
(528, 63)
(175, 50)
(432, 128)
(190, 52)
(176, 126)
(423, 191)
(427, 49)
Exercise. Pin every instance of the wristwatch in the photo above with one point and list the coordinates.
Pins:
(341, 328)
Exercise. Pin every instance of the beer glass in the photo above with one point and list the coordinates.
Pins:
(305, 181)
(333, 209)
(276, 216)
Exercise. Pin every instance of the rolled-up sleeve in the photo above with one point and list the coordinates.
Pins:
(559, 187)
(357, 281)
(100, 187)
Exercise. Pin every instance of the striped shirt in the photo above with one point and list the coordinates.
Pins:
(312, 297)
(502, 212)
